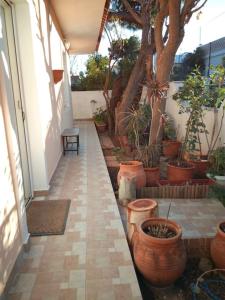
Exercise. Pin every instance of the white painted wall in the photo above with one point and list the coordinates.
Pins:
(180, 119)
(47, 105)
(82, 106)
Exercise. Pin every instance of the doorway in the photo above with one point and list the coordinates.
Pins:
(10, 74)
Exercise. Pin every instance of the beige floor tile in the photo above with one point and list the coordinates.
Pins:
(82, 263)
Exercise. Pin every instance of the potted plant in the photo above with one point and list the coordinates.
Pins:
(217, 165)
(149, 155)
(215, 93)
(138, 124)
(159, 251)
(191, 100)
(170, 144)
(99, 117)
(197, 95)
(218, 246)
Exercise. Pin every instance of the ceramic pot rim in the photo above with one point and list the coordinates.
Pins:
(151, 204)
(191, 161)
(183, 168)
(131, 163)
(152, 169)
(160, 241)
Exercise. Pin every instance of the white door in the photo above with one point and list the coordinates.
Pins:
(9, 67)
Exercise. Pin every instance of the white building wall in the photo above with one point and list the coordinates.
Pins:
(181, 119)
(48, 105)
(83, 106)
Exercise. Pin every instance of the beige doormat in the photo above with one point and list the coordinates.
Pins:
(47, 217)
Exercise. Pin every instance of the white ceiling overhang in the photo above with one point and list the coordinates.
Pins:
(80, 22)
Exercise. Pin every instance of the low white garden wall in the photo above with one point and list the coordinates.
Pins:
(83, 105)
(83, 108)
(180, 119)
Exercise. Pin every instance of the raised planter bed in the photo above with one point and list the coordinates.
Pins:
(195, 188)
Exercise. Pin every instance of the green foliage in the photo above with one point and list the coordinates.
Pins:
(94, 78)
(169, 131)
(215, 89)
(188, 65)
(191, 99)
(218, 192)
(120, 154)
(123, 51)
(192, 60)
(217, 161)
(99, 116)
(138, 123)
(196, 93)
(126, 64)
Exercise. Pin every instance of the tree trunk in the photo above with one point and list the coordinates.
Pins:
(165, 62)
(133, 85)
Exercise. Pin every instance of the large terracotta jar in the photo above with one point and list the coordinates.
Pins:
(133, 169)
(138, 211)
(218, 247)
(171, 148)
(152, 176)
(177, 173)
(160, 260)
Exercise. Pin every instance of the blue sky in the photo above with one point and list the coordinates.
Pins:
(209, 27)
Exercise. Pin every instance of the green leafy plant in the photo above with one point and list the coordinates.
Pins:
(217, 162)
(119, 153)
(191, 100)
(138, 124)
(99, 116)
(215, 94)
(169, 131)
(149, 155)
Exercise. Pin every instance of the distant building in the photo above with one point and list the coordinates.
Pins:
(214, 53)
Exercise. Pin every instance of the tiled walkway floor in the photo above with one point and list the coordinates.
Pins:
(197, 217)
(91, 260)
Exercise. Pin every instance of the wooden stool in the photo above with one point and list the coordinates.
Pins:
(70, 136)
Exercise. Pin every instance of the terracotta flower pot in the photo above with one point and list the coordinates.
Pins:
(57, 75)
(171, 148)
(201, 167)
(138, 211)
(101, 127)
(160, 260)
(218, 247)
(180, 173)
(152, 176)
(133, 169)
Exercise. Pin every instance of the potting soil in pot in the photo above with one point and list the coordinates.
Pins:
(159, 231)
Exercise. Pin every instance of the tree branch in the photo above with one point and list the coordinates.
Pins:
(197, 9)
(174, 24)
(135, 16)
(188, 10)
(124, 16)
(159, 21)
